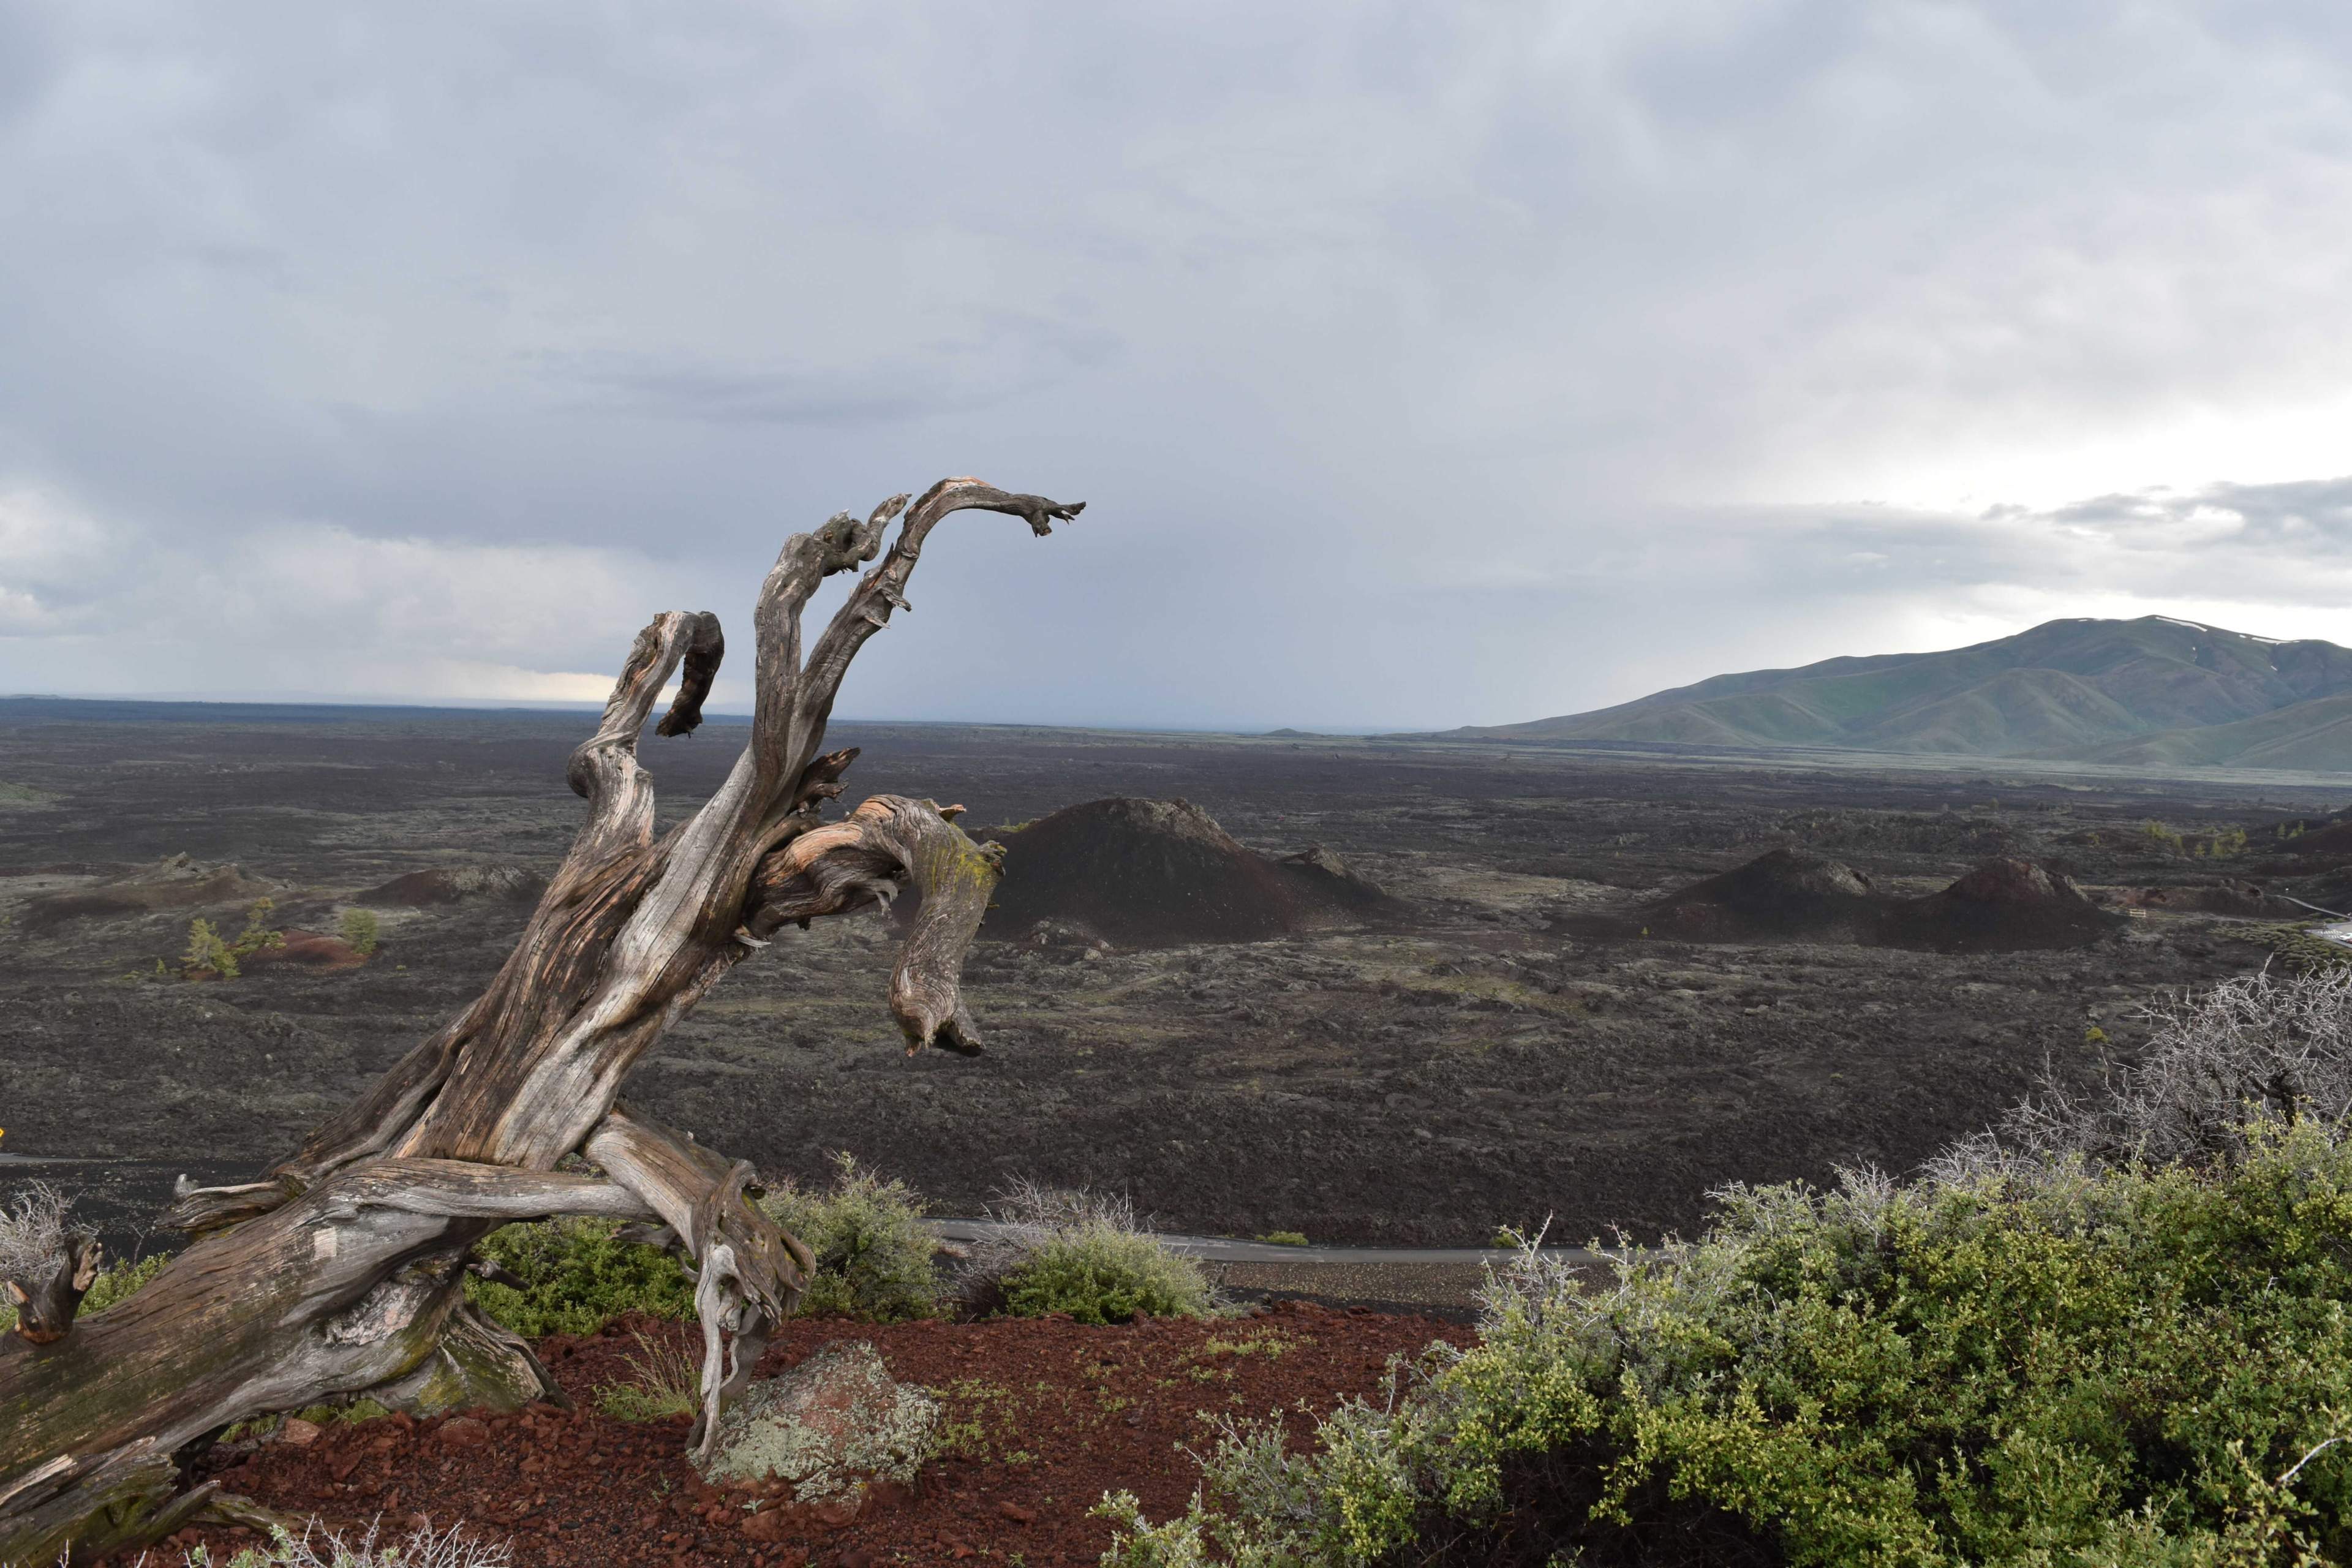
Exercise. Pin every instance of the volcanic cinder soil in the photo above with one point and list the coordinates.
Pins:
(1497, 1041)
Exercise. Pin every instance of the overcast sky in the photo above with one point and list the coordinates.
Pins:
(1420, 364)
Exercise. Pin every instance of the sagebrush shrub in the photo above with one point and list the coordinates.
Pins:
(874, 1254)
(2120, 1335)
(1084, 1254)
(32, 1241)
(33, 1231)
(2261, 1047)
(318, 1547)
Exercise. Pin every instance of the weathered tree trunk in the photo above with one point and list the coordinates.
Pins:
(339, 1272)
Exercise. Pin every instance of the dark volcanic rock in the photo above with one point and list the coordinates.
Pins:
(175, 882)
(2229, 896)
(457, 884)
(1787, 893)
(2004, 904)
(2007, 880)
(1159, 873)
(1324, 873)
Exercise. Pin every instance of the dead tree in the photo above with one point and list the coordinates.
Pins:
(339, 1272)
(46, 1269)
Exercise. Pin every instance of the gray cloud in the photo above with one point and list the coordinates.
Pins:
(1421, 364)
(1001, 357)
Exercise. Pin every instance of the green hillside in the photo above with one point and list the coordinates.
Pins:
(2152, 691)
(2314, 737)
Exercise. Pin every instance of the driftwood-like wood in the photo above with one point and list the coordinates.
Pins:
(338, 1273)
(46, 1302)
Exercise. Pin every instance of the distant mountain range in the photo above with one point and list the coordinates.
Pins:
(2149, 692)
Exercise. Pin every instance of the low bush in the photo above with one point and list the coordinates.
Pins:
(2061, 1349)
(118, 1279)
(576, 1277)
(2298, 948)
(257, 934)
(1084, 1254)
(2083, 1367)
(873, 1251)
(207, 951)
(873, 1255)
(359, 931)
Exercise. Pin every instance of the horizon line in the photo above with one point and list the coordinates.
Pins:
(727, 714)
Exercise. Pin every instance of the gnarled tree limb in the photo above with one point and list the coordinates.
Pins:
(891, 841)
(46, 1304)
(339, 1272)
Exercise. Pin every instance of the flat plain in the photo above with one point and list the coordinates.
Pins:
(1471, 1056)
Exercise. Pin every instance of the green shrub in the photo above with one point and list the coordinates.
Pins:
(120, 1280)
(1086, 1255)
(257, 934)
(1106, 1277)
(1285, 1237)
(2042, 1363)
(2298, 948)
(873, 1251)
(358, 928)
(207, 951)
(2118, 1332)
(577, 1277)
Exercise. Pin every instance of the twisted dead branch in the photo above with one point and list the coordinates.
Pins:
(338, 1272)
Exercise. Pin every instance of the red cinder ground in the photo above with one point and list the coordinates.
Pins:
(1045, 1415)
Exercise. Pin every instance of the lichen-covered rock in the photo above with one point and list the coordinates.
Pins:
(458, 884)
(828, 1427)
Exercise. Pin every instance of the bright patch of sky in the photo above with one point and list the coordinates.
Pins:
(1420, 364)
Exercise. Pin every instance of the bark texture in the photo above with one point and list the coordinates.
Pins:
(338, 1273)
(47, 1299)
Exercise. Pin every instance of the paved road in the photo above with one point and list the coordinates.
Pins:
(1447, 1278)
(123, 1198)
